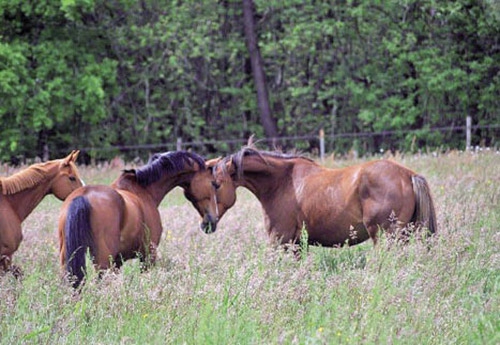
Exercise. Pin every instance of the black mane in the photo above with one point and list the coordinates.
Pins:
(167, 163)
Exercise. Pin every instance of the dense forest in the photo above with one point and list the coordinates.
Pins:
(108, 75)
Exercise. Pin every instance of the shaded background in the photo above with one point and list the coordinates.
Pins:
(129, 77)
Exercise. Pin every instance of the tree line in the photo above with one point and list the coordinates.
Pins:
(110, 73)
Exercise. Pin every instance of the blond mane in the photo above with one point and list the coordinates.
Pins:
(25, 179)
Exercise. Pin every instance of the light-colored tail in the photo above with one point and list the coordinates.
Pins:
(425, 214)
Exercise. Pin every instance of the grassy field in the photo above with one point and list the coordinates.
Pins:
(231, 287)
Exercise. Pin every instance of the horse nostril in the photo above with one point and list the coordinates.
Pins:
(212, 219)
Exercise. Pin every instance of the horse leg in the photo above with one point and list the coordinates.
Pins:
(372, 230)
(105, 262)
(107, 253)
(295, 241)
(391, 222)
(7, 266)
(372, 220)
(149, 258)
(397, 223)
(10, 239)
(4, 263)
(301, 242)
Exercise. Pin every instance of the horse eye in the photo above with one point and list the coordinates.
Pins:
(215, 185)
(72, 178)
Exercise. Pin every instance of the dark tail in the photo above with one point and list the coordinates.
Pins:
(78, 237)
(424, 214)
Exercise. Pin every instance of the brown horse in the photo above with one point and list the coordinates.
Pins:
(122, 221)
(335, 206)
(22, 192)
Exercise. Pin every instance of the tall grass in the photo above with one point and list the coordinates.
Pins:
(232, 287)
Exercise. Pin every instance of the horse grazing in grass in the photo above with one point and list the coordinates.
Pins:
(22, 192)
(335, 206)
(122, 221)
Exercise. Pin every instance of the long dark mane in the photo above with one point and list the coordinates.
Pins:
(167, 163)
(238, 157)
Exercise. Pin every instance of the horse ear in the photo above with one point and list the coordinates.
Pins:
(74, 155)
(230, 166)
(69, 158)
(130, 174)
(212, 162)
(250, 141)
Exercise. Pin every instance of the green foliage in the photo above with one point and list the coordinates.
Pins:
(53, 82)
(94, 74)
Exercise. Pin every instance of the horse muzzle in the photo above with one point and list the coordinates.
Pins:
(209, 224)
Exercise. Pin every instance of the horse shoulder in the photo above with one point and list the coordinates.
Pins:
(10, 223)
(152, 219)
(5, 205)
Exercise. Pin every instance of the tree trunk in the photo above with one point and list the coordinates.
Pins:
(266, 118)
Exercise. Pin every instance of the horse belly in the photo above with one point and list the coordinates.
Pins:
(334, 220)
(141, 227)
(337, 234)
(131, 234)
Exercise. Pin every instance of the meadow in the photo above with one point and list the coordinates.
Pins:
(233, 287)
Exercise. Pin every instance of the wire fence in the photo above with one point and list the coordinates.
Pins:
(317, 141)
(355, 143)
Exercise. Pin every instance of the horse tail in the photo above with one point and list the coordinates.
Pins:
(78, 237)
(425, 213)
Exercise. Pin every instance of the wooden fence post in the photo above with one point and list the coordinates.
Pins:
(46, 154)
(468, 133)
(322, 144)
(179, 144)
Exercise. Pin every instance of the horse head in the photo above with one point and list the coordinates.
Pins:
(67, 178)
(211, 197)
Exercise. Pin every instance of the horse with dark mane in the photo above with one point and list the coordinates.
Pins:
(121, 221)
(22, 192)
(334, 206)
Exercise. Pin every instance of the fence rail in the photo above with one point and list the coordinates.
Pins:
(231, 145)
(320, 137)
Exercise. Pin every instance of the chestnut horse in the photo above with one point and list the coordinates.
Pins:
(122, 221)
(22, 192)
(335, 206)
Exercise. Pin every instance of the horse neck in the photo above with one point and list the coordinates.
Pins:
(158, 190)
(265, 179)
(25, 201)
